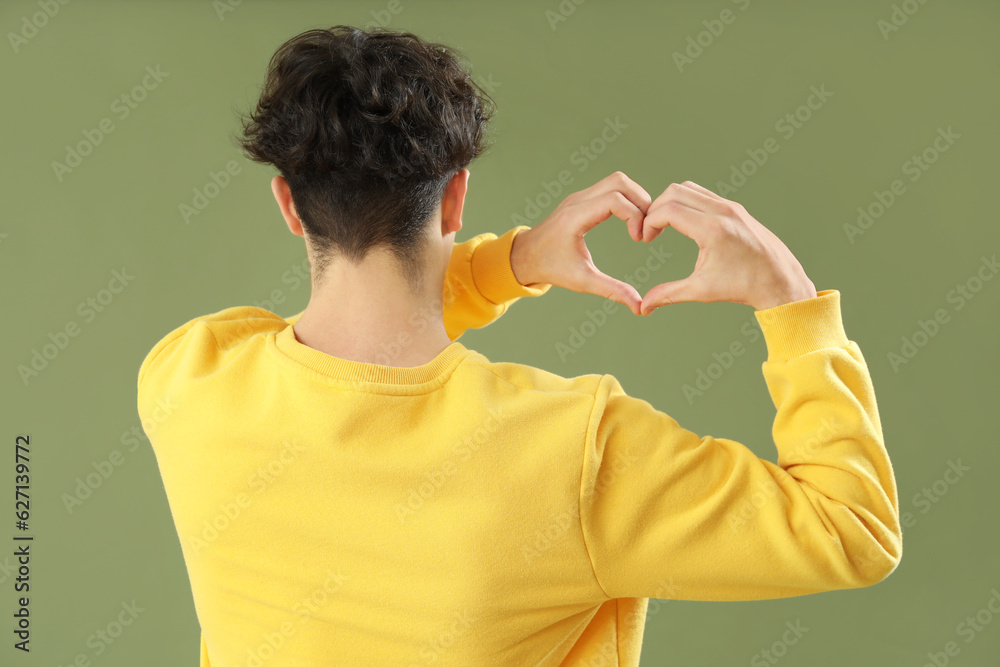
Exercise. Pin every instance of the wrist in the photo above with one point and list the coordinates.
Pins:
(520, 258)
(798, 293)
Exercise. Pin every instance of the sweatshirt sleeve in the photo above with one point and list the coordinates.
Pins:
(703, 517)
(479, 283)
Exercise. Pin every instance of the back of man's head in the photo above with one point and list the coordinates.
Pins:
(367, 128)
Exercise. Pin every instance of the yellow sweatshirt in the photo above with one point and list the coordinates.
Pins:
(476, 513)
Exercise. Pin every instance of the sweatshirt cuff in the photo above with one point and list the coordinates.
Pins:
(800, 327)
(493, 275)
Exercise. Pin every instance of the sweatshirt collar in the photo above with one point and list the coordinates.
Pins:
(431, 374)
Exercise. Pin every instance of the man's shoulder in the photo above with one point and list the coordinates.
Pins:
(235, 325)
(536, 378)
(220, 330)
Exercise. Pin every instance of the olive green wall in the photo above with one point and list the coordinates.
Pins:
(804, 112)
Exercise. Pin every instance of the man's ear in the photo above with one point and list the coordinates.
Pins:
(283, 195)
(454, 201)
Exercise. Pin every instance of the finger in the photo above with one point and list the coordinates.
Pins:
(703, 190)
(595, 282)
(602, 207)
(620, 182)
(688, 221)
(692, 198)
(664, 294)
(635, 193)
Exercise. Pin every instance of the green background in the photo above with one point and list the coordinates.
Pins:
(120, 207)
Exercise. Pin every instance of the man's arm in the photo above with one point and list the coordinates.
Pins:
(528, 261)
(672, 514)
(702, 517)
(480, 283)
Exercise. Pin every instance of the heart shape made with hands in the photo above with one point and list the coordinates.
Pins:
(558, 254)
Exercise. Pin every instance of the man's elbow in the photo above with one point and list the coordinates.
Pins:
(877, 560)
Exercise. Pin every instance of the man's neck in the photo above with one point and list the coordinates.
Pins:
(351, 316)
(402, 342)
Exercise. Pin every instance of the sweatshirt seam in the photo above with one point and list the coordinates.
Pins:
(152, 360)
(217, 343)
(579, 493)
(181, 332)
(579, 496)
(618, 626)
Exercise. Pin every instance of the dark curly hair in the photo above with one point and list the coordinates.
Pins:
(367, 127)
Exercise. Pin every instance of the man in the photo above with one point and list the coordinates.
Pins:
(353, 486)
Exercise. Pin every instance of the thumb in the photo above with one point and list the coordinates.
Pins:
(665, 294)
(595, 282)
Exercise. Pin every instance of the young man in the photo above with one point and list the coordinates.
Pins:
(353, 486)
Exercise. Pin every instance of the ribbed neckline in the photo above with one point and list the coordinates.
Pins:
(434, 371)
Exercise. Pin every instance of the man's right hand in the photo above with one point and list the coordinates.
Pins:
(739, 260)
(556, 253)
